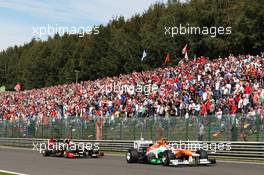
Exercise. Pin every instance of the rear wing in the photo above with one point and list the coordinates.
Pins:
(142, 145)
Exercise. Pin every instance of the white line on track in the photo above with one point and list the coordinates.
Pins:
(11, 172)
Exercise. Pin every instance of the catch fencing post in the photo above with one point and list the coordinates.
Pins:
(18, 130)
(42, 127)
(209, 128)
(6, 132)
(51, 129)
(134, 129)
(186, 128)
(121, 129)
(105, 130)
(27, 135)
(257, 126)
(234, 128)
(151, 130)
(167, 133)
(81, 129)
(61, 128)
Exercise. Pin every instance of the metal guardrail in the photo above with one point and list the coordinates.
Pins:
(248, 151)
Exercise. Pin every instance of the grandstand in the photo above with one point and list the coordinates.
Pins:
(230, 89)
(86, 86)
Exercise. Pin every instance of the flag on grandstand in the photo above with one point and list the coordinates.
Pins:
(166, 59)
(2, 89)
(186, 56)
(18, 87)
(194, 57)
(262, 54)
(185, 52)
(144, 55)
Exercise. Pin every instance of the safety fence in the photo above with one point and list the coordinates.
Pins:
(211, 128)
(247, 151)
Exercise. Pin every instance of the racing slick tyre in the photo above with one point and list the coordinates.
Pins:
(166, 158)
(94, 153)
(85, 154)
(59, 154)
(203, 154)
(132, 156)
(45, 153)
(65, 154)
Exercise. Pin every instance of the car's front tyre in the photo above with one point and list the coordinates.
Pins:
(165, 158)
(132, 156)
(203, 154)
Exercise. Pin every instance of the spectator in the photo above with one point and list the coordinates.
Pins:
(228, 85)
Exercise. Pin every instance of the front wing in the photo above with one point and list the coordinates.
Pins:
(176, 162)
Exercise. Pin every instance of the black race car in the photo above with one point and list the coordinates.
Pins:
(66, 148)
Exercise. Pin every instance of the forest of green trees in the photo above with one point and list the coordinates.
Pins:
(119, 46)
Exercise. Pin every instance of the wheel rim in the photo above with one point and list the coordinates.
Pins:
(128, 156)
(164, 159)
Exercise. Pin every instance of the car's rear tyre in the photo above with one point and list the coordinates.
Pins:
(213, 161)
(65, 154)
(165, 158)
(132, 156)
(59, 154)
(45, 153)
(95, 156)
(85, 154)
(203, 154)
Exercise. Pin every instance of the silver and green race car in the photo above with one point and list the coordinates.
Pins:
(161, 152)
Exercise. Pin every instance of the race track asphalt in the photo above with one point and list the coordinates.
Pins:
(33, 163)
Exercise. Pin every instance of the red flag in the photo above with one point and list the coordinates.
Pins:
(184, 50)
(18, 87)
(166, 59)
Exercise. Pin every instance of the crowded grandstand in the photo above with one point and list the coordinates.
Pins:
(199, 87)
(131, 87)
